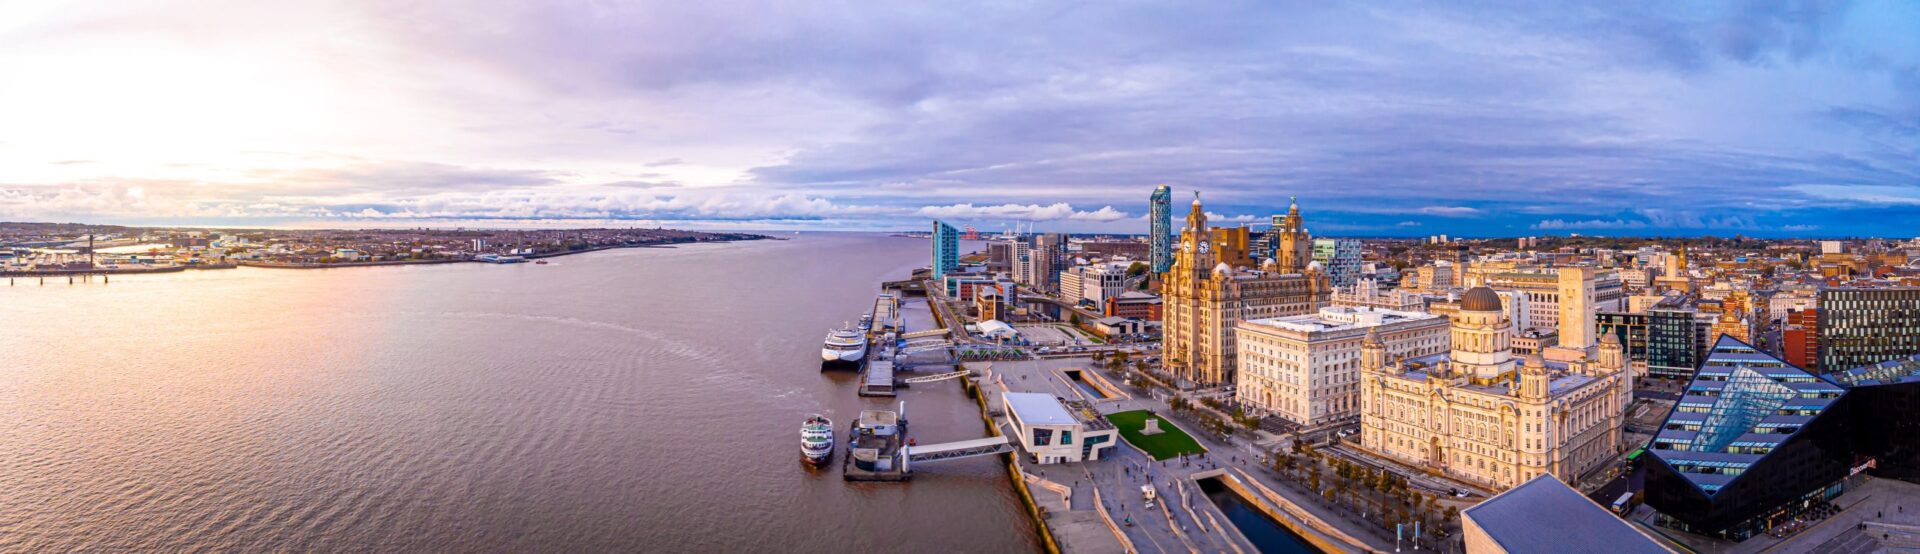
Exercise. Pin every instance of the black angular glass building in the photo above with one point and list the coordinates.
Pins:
(1755, 441)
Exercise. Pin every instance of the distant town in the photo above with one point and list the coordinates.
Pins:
(1707, 394)
(44, 249)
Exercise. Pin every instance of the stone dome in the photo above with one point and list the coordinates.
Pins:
(1480, 299)
(1223, 268)
(1315, 266)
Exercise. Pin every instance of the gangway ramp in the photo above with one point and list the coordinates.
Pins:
(927, 333)
(959, 449)
(939, 377)
(916, 347)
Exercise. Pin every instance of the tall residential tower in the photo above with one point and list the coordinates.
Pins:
(1160, 231)
(946, 249)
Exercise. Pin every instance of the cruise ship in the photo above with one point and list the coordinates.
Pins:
(844, 346)
(816, 440)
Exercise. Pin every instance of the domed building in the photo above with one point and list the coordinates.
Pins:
(1478, 415)
(1213, 287)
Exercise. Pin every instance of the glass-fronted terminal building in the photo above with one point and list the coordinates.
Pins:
(1756, 441)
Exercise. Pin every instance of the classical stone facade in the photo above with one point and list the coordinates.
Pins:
(1306, 368)
(1481, 416)
(1204, 297)
(1366, 293)
(1292, 245)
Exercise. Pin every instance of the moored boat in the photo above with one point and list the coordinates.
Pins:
(844, 346)
(816, 440)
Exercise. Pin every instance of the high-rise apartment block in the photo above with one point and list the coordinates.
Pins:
(1160, 229)
(946, 249)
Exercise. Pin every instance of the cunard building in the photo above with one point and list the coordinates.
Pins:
(1204, 297)
(1478, 414)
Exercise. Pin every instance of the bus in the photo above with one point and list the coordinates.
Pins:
(1622, 505)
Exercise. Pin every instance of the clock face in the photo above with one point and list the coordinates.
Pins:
(1203, 247)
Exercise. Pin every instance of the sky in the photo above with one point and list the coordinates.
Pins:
(1389, 118)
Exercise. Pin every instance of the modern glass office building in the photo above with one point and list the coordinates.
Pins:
(1864, 326)
(1341, 257)
(1674, 342)
(1663, 340)
(1755, 441)
(1630, 328)
(946, 249)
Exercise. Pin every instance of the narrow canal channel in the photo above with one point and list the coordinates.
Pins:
(1080, 382)
(1265, 533)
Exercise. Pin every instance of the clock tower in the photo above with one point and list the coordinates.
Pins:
(1207, 293)
(1196, 256)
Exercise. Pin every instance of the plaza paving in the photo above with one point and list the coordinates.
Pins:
(1184, 520)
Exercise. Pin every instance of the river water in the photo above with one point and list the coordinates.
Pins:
(626, 400)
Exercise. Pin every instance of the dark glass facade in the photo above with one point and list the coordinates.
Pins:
(1631, 329)
(1756, 441)
(1673, 343)
(1866, 326)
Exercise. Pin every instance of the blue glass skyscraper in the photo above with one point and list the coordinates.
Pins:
(1160, 233)
(946, 249)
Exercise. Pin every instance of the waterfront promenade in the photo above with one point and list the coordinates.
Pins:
(1184, 520)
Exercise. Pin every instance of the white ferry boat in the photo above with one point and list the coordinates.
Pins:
(816, 440)
(845, 346)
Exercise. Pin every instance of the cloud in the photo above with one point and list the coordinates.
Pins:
(1408, 224)
(1555, 224)
(1105, 213)
(1021, 212)
(1469, 117)
(1450, 211)
(1867, 194)
(1215, 218)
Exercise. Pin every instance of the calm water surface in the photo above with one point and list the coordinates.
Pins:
(629, 400)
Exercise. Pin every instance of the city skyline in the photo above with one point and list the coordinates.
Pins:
(1408, 120)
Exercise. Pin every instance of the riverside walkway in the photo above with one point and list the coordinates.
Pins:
(1184, 519)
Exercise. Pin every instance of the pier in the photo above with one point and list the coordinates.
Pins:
(876, 449)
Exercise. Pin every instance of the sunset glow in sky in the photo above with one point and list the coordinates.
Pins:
(1391, 119)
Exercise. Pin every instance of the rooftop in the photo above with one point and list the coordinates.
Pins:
(1033, 408)
(1341, 318)
(1512, 519)
(1741, 404)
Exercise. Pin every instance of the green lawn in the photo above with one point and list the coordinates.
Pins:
(1171, 442)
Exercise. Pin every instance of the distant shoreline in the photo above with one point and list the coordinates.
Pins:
(304, 265)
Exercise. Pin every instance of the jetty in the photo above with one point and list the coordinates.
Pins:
(878, 450)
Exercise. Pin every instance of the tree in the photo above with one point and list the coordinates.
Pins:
(1137, 269)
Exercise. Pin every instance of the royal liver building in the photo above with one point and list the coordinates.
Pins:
(1213, 285)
